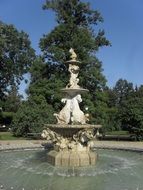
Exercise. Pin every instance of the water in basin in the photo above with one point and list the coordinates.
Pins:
(29, 170)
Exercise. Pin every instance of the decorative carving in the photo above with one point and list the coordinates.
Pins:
(71, 112)
(84, 136)
(73, 54)
(79, 141)
(63, 117)
(73, 82)
(50, 135)
(71, 137)
(78, 117)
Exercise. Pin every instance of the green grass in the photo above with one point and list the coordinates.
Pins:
(117, 133)
(9, 136)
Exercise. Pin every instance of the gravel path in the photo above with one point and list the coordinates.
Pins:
(120, 145)
(21, 144)
(28, 144)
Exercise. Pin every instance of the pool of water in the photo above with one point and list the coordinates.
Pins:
(29, 170)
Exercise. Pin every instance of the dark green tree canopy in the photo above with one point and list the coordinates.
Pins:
(16, 56)
(74, 29)
(76, 25)
(123, 89)
(75, 21)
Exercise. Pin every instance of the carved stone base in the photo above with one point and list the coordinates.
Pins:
(72, 159)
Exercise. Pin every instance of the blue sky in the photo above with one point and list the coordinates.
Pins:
(123, 26)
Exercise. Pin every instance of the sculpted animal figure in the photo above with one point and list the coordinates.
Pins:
(84, 136)
(50, 135)
(63, 117)
(77, 115)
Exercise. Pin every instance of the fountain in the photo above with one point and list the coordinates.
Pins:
(71, 136)
(33, 169)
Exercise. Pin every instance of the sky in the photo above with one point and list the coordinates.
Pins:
(123, 27)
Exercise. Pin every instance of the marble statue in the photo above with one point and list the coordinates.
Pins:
(73, 82)
(63, 117)
(71, 113)
(77, 115)
(73, 54)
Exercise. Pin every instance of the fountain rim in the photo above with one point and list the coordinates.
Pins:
(74, 90)
(72, 126)
(17, 149)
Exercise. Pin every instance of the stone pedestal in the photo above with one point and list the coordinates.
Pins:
(72, 159)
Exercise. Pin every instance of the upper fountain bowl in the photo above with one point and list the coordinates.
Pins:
(73, 61)
(73, 91)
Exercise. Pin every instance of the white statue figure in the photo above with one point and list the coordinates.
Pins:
(73, 54)
(63, 117)
(74, 70)
(71, 112)
(77, 115)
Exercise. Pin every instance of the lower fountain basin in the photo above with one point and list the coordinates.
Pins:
(29, 170)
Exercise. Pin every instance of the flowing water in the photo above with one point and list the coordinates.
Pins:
(29, 170)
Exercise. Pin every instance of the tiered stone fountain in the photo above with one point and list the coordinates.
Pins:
(71, 136)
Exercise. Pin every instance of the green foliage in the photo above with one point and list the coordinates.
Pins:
(16, 56)
(12, 100)
(31, 116)
(125, 104)
(122, 90)
(131, 114)
(75, 20)
(119, 108)
(6, 118)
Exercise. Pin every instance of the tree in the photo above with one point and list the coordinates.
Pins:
(31, 116)
(75, 20)
(131, 115)
(112, 123)
(123, 90)
(16, 56)
(12, 101)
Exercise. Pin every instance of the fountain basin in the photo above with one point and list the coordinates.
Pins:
(120, 170)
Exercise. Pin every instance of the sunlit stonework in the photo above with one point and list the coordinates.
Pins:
(71, 136)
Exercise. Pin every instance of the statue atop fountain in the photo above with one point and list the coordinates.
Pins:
(71, 136)
(71, 113)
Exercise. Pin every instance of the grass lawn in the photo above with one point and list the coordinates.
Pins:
(117, 133)
(9, 136)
